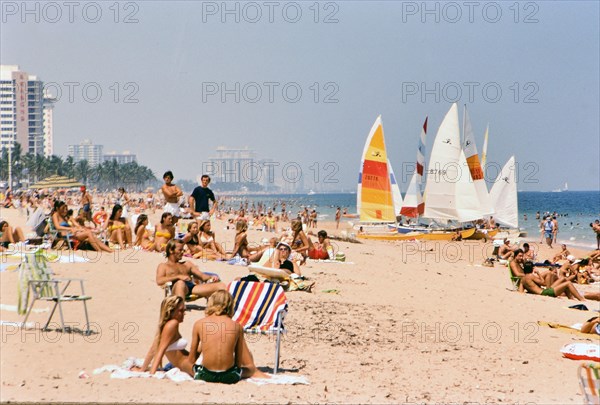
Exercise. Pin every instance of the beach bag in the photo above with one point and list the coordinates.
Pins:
(340, 257)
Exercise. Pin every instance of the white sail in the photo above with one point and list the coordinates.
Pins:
(504, 195)
(474, 167)
(397, 196)
(449, 191)
(485, 148)
(412, 199)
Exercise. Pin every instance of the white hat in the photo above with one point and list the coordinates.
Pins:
(571, 258)
(284, 244)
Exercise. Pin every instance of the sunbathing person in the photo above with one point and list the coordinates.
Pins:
(168, 341)
(592, 326)
(183, 274)
(218, 349)
(9, 235)
(533, 284)
(142, 236)
(163, 232)
(506, 251)
(321, 250)
(117, 228)
(191, 239)
(60, 222)
(528, 254)
(562, 254)
(240, 246)
(516, 264)
(280, 259)
(211, 249)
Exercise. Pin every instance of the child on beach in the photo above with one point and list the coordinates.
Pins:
(218, 349)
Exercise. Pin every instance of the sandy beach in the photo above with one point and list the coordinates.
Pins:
(400, 322)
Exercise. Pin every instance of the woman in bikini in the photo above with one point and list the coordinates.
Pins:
(116, 227)
(211, 249)
(240, 246)
(60, 223)
(191, 239)
(168, 341)
(142, 236)
(163, 232)
(9, 235)
(299, 242)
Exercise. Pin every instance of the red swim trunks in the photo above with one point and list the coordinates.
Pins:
(318, 254)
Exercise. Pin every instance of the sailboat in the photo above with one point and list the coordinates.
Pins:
(396, 195)
(504, 198)
(374, 200)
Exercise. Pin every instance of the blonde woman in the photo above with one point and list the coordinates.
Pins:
(211, 249)
(219, 351)
(240, 246)
(299, 242)
(168, 341)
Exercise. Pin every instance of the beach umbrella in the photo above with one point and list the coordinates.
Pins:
(56, 181)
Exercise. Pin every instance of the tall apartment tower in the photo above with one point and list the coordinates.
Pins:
(48, 106)
(21, 110)
(86, 150)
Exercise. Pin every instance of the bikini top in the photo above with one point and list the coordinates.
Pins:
(179, 344)
(163, 234)
(193, 241)
(206, 240)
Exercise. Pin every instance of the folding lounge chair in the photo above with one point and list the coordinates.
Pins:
(260, 308)
(515, 280)
(55, 236)
(168, 287)
(36, 278)
(589, 382)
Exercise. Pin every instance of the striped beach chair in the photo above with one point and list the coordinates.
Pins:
(36, 281)
(589, 382)
(260, 308)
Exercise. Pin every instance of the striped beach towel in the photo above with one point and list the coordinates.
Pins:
(257, 304)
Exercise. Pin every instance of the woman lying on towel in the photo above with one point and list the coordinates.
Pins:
(168, 341)
(218, 349)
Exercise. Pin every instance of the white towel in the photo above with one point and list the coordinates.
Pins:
(280, 379)
(124, 372)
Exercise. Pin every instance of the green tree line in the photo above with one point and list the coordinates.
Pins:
(106, 176)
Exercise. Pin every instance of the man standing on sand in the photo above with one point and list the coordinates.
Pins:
(338, 216)
(86, 204)
(182, 274)
(596, 228)
(199, 200)
(548, 227)
(555, 230)
(172, 194)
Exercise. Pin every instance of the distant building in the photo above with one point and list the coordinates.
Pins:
(21, 110)
(48, 106)
(233, 166)
(86, 150)
(121, 158)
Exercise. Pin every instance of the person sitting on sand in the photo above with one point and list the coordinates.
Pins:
(321, 250)
(211, 249)
(240, 246)
(516, 264)
(163, 232)
(183, 274)
(59, 218)
(9, 235)
(299, 242)
(118, 228)
(533, 284)
(506, 250)
(562, 255)
(280, 259)
(591, 326)
(168, 341)
(142, 236)
(219, 350)
(190, 239)
(528, 253)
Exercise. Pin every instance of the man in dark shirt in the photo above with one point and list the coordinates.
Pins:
(199, 200)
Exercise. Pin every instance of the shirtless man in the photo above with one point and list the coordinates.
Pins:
(596, 228)
(555, 230)
(516, 265)
(506, 251)
(532, 284)
(180, 274)
(172, 194)
(86, 204)
(528, 254)
(219, 351)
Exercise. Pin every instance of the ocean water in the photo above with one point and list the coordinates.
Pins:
(576, 209)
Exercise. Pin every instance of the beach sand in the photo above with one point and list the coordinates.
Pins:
(406, 325)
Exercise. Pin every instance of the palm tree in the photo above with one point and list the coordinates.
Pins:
(82, 170)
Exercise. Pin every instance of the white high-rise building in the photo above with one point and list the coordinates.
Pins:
(86, 150)
(232, 165)
(121, 158)
(49, 102)
(21, 110)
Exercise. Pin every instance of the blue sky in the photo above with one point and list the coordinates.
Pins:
(168, 74)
